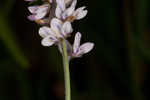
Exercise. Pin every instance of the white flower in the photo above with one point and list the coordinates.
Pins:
(58, 30)
(38, 12)
(69, 13)
(78, 50)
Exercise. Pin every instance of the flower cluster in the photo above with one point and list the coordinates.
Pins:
(59, 27)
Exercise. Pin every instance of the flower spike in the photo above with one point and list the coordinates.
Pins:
(55, 18)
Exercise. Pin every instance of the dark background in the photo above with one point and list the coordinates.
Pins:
(116, 69)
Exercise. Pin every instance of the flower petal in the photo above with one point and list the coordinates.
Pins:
(45, 31)
(69, 11)
(33, 9)
(58, 12)
(61, 4)
(66, 28)
(56, 26)
(39, 11)
(80, 13)
(76, 43)
(42, 11)
(85, 48)
(32, 17)
(48, 41)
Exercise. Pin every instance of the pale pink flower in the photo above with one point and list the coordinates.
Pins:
(56, 32)
(69, 13)
(79, 50)
(38, 12)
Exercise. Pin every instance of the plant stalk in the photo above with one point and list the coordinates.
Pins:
(66, 71)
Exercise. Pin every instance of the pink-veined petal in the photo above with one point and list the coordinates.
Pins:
(69, 11)
(44, 6)
(33, 9)
(56, 26)
(85, 48)
(45, 31)
(61, 4)
(48, 41)
(76, 43)
(32, 17)
(36, 9)
(80, 13)
(67, 28)
(40, 15)
(42, 11)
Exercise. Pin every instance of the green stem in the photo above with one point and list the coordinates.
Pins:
(66, 71)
